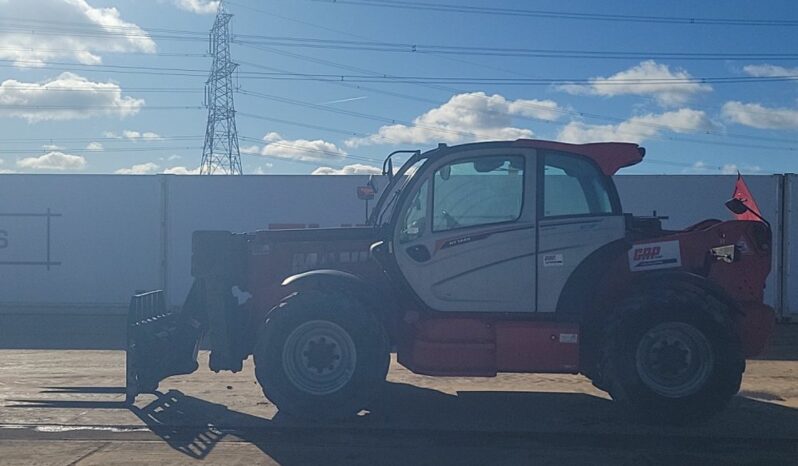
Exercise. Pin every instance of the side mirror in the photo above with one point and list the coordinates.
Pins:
(388, 169)
(737, 206)
(373, 183)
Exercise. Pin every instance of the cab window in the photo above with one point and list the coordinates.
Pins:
(480, 191)
(573, 185)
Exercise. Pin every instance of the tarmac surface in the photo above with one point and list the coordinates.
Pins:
(66, 407)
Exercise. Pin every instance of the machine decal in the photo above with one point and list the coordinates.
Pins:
(552, 260)
(304, 261)
(460, 240)
(571, 338)
(463, 240)
(653, 256)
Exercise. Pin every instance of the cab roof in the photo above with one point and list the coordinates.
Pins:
(609, 156)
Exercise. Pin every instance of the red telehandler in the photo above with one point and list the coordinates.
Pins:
(480, 258)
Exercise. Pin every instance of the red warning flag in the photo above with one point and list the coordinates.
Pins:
(742, 193)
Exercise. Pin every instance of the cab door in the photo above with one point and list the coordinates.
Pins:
(578, 212)
(465, 240)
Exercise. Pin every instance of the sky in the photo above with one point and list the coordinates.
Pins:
(324, 87)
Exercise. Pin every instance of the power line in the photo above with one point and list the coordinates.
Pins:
(669, 128)
(25, 23)
(149, 54)
(132, 69)
(358, 36)
(340, 111)
(439, 129)
(88, 107)
(95, 89)
(542, 108)
(337, 158)
(60, 28)
(315, 150)
(396, 79)
(287, 41)
(446, 88)
(85, 150)
(302, 124)
(549, 14)
(393, 79)
(308, 42)
(121, 138)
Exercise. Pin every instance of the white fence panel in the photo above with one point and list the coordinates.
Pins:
(111, 235)
(77, 241)
(687, 199)
(790, 277)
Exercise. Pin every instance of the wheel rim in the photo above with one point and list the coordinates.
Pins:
(319, 357)
(674, 359)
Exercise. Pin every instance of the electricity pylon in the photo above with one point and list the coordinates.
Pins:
(220, 153)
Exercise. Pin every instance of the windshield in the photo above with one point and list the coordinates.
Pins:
(384, 210)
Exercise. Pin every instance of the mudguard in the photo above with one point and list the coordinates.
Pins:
(338, 281)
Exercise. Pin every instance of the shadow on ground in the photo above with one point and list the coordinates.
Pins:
(415, 425)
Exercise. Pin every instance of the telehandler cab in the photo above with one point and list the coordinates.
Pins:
(477, 259)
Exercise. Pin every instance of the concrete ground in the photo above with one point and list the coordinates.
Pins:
(66, 407)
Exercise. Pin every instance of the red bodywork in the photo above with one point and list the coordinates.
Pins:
(742, 280)
(482, 345)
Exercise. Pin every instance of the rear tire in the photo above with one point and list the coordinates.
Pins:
(671, 355)
(321, 356)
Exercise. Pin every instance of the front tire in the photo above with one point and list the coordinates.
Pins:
(321, 356)
(671, 355)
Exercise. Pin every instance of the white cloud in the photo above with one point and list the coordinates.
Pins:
(725, 169)
(768, 71)
(139, 136)
(698, 167)
(638, 128)
(202, 7)
(729, 169)
(52, 147)
(296, 149)
(132, 135)
(758, 116)
(94, 146)
(634, 81)
(466, 117)
(81, 32)
(355, 169)
(48, 100)
(53, 161)
(182, 171)
(140, 169)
